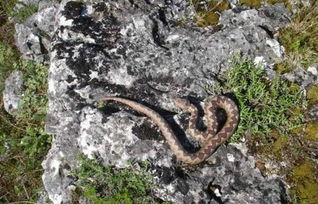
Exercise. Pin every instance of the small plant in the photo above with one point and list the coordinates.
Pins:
(104, 184)
(264, 105)
(7, 56)
(34, 100)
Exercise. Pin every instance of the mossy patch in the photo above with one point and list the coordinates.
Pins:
(276, 1)
(311, 131)
(206, 18)
(251, 3)
(306, 183)
(283, 67)
(312, 94)
(208, 14)
(279, 144)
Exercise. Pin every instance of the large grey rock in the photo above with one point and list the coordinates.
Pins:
(34, 36)
(138, 49)
(12, 93)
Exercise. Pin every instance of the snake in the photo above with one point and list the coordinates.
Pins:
(210, 138)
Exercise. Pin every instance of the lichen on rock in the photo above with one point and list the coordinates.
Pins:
(139, 50)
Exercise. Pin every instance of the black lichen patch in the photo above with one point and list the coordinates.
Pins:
(84, 61)
(183, 187)
(105, 32)
(147, 131)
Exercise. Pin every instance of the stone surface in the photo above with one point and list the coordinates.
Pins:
(141, 50)
(302, 77)
(12, 93)
(33, 38)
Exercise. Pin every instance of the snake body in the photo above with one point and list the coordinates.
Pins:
(210, 138)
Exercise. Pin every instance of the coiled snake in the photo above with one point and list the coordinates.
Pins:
(210, 138)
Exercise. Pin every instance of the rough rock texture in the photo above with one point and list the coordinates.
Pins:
(33, 38)
(140, 50)
(13, 92)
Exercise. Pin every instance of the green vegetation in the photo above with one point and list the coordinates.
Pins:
(251, 3)
(271, 119)
(23, 141)
(306, 188)
(7, 57)
(19, 15)
(300, 39)
(34, 101)
(264, 104)
(104, 184)
(312, 94)
(23, 13)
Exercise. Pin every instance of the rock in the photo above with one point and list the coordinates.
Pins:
(33, 37)
(302, 77)
(139, 50)
(12, 93)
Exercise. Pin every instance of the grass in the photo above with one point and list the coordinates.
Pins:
(34, 101)
(7, 8)
(23, 13)
(265, 105)
(104, 184)
(23, 141)
(300, 39)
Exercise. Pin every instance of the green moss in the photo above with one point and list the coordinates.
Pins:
(209, 15)
(306, 185)
(206, 18)
(264, 105)
(279, 144)
(218, 5)
(283, 67)
(311, 131)
(312, 94)
(276, 1)
(104, 184)
(251, 3)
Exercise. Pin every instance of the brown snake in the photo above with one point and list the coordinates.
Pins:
(210, 137)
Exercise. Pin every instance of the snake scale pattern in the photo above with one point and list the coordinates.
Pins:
(209, 138)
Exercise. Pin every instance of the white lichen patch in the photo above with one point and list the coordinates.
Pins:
(230, 157)
(260, 61)
(110, 140)
(276, 47)
(120, 77)
(313, 70)
(65, 22)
